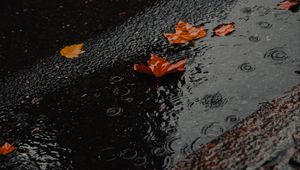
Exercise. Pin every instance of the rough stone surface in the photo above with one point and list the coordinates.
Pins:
(269, 138)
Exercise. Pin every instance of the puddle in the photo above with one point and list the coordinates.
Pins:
(119, 119)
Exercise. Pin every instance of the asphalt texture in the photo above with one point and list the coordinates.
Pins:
(95, 112)
(34, 30)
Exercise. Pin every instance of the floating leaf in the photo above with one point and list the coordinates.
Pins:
(224, 29)
(185, 32)
(72, 51)
(6, 148)
(288, 4)
(159, 67)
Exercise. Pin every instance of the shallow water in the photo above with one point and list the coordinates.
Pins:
(115, 118)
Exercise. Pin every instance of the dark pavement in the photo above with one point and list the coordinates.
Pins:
(94, 112)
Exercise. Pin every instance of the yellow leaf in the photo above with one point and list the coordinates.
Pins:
(72, 51)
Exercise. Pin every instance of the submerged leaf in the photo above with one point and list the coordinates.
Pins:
(224, 29)
(185, 32)
(159, 67)
(6, 148)
(72, 51)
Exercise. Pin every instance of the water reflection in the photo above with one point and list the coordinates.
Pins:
(238, 76)
(121, 119)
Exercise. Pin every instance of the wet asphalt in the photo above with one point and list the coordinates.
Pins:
(96, 112)
(34, 30)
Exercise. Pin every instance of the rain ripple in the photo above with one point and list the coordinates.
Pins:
(128, 154)
(159, 151)
(116, 79)
(140, 161)
(254, 38)
(196, 144)
(108, 154)
(264, 25)
(232, 119)
(168, 144)
(212, 129)
(247, 67)
(168, 162)
(114, 111)
(213, 100)
(276, 54)
(262, 11)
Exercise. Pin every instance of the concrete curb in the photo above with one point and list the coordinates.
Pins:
(268, 138)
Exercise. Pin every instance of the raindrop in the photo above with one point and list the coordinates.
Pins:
(122, 92)
(264, 24)
(125, 92)
(108, 154)
(116, 91)
(262, 11)
(254, 38)
(232, 119)
(83, 95)
(128, 154)
(168, 144)
(36, 101)
(129, 99)
(175, 100)
(171, 130)
(160, 151)
(196, 144)
(276, 54)
(246, 18)
(193, 104)
(140, 161)
(114, 111)
(97, 94)
(168, 162)
(116, 79)
(186, 150)
(246, 10)
(213, 100)
(247, 67)
(196, 79)
(212, 129)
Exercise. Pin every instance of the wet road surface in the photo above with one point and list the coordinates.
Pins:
(34, 30)
(95, 112)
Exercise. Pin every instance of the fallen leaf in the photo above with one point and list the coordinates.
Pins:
(159, 67)
(185, 32)
(6, 148)
(72, 51)
(224, 29)
(288, 4)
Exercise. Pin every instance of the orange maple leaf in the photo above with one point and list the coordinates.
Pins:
(159, 67)
(72, 51)
(288, 4)
(185, 32)
(6, 148)
(224, 29)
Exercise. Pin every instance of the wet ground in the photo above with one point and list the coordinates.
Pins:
(33, 30)
(95, 113)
